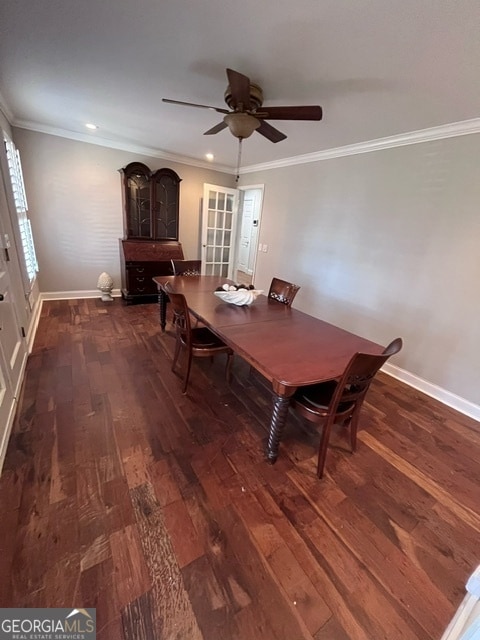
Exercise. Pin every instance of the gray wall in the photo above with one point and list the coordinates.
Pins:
(386, 244)
(75, 205)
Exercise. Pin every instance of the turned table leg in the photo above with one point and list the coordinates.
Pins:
(162, 303)
(277, 424)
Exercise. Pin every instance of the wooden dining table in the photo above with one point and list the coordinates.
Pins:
(289, 348)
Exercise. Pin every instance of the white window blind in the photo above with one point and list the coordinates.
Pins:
(21, 207)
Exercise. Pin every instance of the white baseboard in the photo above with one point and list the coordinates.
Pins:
(6, 433)
(32, 329)
(11, 413)
(74, 295)
(442, 395)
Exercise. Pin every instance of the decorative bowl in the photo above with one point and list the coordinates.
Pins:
(239, 297)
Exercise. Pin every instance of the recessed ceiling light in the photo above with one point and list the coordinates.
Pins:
(209, 156)
(91, 126)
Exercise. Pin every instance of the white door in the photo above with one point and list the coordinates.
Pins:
(245, 232)
(13, 350)
(219, 222)
(250, 211)
(7, 406)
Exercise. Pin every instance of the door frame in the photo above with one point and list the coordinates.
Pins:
(237, 221)
(254, 245)
(16, 311)
(232, 229)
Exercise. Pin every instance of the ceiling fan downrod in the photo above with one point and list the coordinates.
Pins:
(239, 160)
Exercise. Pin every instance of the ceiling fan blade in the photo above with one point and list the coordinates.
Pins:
(218, 127)
(290, 113)
(191, 104)
(240, 89)
(274, 135)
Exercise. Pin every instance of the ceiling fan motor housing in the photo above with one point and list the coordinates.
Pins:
(247, 114)
(256, 98)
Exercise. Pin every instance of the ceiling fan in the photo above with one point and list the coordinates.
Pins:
(248, 114)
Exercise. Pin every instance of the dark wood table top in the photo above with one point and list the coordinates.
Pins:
(289, 347)
(184, 284)
(295, 351)
(216, 313)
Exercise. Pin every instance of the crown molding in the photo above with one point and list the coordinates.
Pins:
(120, 146)
(451, 130)
(4, 108)
(454, 129)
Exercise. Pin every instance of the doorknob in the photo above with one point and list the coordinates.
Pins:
(1, 297)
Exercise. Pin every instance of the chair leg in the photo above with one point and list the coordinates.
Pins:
(353, 431)
(322, 453)
(176, 354)
(187, 372)
(228, 372)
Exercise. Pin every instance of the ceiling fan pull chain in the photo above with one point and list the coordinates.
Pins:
(239, 158)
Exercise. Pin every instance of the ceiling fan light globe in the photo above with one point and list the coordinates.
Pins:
(241, 125)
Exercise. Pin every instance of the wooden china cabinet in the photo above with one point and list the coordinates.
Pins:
(150, 222)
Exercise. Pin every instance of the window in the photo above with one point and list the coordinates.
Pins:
(21, 208)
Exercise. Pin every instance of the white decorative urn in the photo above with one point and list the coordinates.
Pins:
(105, 284)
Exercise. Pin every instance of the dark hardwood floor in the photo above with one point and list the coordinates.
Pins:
(159, 510)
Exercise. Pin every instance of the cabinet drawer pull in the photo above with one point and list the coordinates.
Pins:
(140, 279)
(140, 269)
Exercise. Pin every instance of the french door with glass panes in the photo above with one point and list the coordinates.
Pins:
(219, 223)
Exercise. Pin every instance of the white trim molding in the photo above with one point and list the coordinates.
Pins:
(12, 412)
(428, 388)
(452, 130)
(33, 325)
(120, 146)
(4, 108)
(74, 295)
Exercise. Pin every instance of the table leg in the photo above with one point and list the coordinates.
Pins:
(277, 424)
(162, 303)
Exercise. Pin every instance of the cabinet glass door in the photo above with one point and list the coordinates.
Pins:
(138, 205)
(151, 202)
(165, 205)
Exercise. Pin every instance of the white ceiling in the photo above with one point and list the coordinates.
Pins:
(377, 67)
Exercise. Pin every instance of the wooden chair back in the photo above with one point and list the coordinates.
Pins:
(181, 316)
(186, 267)
(283, 291)
(196, 341)
(341, 400)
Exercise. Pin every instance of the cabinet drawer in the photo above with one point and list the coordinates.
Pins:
(140, 283)
(149, 269)
(138, 272)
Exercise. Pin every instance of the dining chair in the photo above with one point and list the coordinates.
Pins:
(342, 399)
(195, 341)
(283, 291)
(186, 267)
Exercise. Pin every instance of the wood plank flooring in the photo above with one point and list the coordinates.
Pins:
(159, 510)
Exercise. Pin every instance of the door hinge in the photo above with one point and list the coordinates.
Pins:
(24, 335)
(7, 257)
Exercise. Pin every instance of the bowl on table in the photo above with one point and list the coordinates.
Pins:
(240, 297)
